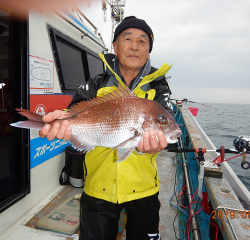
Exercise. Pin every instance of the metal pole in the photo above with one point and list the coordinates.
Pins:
(112, 31)
(195, 226)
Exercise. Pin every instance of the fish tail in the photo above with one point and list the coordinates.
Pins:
(28, 125)
(35, 122)
(35, 117)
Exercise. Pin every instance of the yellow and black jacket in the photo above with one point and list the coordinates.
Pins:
(135, 177)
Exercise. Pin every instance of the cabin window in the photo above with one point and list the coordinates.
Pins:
(75, 63)
(71, 65)
(95, 65)
(14, 142)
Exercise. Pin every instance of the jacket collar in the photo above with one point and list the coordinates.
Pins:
(155, 74)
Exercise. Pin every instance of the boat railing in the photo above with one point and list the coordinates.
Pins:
(228, 211)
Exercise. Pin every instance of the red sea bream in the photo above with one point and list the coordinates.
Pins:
(115, 120)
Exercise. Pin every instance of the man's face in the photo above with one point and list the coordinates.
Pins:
(132, 48)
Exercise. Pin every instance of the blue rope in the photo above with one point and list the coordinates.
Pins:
(170, 200)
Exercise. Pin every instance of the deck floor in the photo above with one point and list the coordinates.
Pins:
(166, 169)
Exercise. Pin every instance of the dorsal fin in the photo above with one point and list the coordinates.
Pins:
(118, 93)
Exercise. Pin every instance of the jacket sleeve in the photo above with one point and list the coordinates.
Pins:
(162, 95)
(83, 94)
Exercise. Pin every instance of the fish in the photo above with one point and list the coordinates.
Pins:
(116, 120)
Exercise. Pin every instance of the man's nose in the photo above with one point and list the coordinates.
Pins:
(134, 46)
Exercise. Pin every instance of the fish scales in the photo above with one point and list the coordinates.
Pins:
(109, 123)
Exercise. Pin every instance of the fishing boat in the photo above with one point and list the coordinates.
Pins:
(200, 198)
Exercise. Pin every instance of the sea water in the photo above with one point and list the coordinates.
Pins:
(223, 126)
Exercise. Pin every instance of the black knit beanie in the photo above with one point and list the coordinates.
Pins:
(133, 22)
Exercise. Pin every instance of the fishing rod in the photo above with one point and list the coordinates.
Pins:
(242, 148)
(241, 143)
(185, 100)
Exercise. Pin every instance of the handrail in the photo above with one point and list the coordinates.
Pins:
(80, 12)
(84, 33)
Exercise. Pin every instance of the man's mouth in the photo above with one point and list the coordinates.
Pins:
(132, 56)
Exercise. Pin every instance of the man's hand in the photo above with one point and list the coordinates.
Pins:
(60, 131)
(149, 143)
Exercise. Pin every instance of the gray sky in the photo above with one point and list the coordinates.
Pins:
(208, 43)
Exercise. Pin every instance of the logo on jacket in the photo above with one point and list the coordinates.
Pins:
(154, 236)
(167, 99)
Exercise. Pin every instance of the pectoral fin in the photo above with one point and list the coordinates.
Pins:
(123, 153)
(128, 141)
(128, 150)
(80, 146)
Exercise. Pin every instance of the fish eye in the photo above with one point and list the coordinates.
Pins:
(162, 120)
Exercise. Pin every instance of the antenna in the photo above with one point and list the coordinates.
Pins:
(117, 14)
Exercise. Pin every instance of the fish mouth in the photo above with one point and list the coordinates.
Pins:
(174, 137)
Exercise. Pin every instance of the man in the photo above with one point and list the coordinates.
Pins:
(132, 184)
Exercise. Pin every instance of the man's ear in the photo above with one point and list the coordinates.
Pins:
(148, 55)
(115, 47)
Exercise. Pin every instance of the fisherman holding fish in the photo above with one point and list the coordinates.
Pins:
(122, 176)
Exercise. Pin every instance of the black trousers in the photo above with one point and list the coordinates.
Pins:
(99, 218)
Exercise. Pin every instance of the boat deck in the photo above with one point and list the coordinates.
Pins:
(25, 228)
